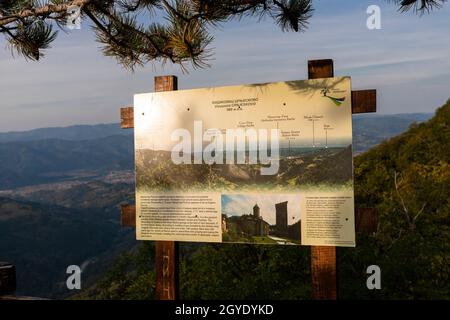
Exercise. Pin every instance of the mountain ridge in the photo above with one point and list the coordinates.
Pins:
(95, 131)
(59, 154)
(44, 161)
(73, 132)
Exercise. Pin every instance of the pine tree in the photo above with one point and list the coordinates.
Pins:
(140, 31)
(418, 6)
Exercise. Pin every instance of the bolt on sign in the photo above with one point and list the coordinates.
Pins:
(261, 163)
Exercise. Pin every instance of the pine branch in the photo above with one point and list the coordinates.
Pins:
(31, 38)
(44, 11)
(125, 50)
(418, 6)
(184, 38)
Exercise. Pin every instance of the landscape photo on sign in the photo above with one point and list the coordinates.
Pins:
(268, 139)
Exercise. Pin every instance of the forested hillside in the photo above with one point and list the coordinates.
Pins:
(43, 240)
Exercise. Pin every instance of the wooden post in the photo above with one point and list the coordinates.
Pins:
(166, 252)
(323, 258)
(166, 259)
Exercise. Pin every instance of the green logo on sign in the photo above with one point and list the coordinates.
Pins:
(337, 101)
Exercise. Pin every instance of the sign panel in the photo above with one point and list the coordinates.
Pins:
(261, 163)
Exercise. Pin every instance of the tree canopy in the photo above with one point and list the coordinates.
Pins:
(140, 31)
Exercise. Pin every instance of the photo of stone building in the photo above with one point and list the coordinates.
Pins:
(281, 226)
(268, 226)
(253, 224)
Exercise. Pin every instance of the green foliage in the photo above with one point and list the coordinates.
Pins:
(294, 15)
(130, 30)
(30, 38)
(42, 240)
(419, 6)
(129, 278)
(408, 180)
(230, 271)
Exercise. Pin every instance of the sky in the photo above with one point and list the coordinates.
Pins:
(407, 61)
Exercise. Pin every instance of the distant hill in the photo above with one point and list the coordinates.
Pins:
(78, 132)
(81, 195)
(370, 130)
(57, 154)
(42, 161)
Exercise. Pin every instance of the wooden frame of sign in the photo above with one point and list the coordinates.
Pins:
(323, 258)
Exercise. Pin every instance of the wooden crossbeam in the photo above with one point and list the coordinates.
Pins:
(366, 220)
(128, 215)
(7, 278)
(127, 118)
(363, 101)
